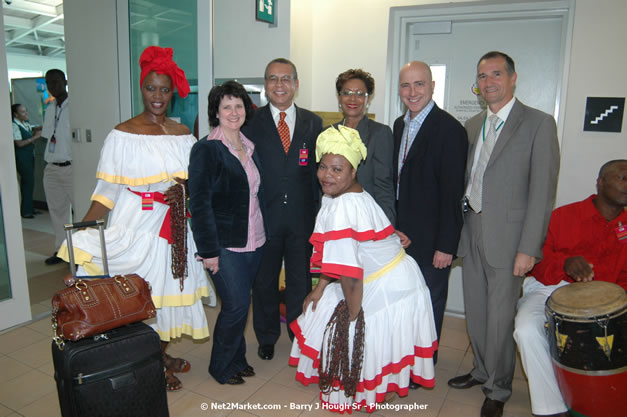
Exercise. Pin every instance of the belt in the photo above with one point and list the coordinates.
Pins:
(473, 210)
(466, 207)
(62, 164)
(386, 268)
(166, 227)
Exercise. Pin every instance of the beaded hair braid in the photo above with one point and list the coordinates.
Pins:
(336, 370)
(178, 219)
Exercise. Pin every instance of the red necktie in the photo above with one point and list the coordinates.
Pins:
(284, 132)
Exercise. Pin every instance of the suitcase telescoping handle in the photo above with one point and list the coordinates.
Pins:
(81, 225)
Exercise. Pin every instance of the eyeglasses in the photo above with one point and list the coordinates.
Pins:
(349, 93)
(274, 79)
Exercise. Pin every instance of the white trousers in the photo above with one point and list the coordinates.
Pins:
(59, 188)
(533, 345)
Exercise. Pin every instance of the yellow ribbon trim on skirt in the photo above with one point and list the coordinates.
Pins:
(81, 258)
(133, 182)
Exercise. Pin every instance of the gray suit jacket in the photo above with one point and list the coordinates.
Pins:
(375, 173)
(518, 186)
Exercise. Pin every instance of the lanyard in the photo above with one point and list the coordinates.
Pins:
(57, 115)
(497, 128)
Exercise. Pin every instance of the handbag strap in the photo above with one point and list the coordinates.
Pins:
(58, 339)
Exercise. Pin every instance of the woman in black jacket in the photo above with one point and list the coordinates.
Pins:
(227, 221)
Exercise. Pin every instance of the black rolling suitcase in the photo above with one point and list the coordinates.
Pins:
(118, 373)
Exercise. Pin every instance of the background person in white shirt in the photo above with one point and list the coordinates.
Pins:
(58, 178)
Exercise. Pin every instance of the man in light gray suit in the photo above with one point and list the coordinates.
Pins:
(512, 168)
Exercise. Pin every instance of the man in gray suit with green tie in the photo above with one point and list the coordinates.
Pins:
(511, 172)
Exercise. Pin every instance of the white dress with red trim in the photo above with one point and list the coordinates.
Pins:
(137, 239)
(353, 237)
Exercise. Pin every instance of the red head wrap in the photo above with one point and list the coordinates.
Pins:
(159, 60)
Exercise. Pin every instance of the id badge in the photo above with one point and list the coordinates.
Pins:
(303, 156)
(147, 201)
(52, 144)
(621, 233)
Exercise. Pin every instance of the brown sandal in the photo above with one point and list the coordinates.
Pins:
(172, 383)
(176, 365)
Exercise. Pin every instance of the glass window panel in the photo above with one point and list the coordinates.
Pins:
(439, 76)
(170, 24)
(5, 278)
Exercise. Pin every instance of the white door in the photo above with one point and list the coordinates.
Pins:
(14, 300)
(537, 68)
(452, 38)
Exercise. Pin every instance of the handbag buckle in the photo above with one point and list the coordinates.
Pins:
(82, 289)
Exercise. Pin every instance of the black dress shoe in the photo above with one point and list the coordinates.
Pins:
(235, 380)
(413, 385)
(53, 260)
(28, 216)
(247, 372)
(492, 408)
(266, 352)
(463, 382)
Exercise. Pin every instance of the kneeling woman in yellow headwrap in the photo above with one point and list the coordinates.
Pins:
(367, 328)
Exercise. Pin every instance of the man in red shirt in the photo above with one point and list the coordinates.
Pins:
(585, 242)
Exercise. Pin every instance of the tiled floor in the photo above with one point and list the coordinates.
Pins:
(27, 387)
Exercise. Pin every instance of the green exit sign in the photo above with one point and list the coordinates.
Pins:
(266, 10)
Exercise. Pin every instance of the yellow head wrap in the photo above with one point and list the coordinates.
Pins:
(341, 141)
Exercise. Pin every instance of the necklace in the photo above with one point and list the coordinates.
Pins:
(232, 145)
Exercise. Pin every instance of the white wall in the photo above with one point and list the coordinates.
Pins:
(242, 45)
(92, 71)
(301, 50)
(597, 69)
(333, 36)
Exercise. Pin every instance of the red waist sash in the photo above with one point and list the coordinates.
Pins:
(166, 227)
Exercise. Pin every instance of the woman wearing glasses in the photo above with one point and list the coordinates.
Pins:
(375, 174)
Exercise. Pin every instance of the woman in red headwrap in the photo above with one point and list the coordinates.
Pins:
(141, 176)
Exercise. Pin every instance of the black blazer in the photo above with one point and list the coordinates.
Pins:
(291, 190)
(218, 198)
(428, 209)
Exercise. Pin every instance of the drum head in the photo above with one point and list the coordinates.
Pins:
(587, 299)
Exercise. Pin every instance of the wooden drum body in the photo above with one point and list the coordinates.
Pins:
(587, 331)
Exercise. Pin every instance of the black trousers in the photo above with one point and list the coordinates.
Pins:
(25, 163)
(437, 281)
(296, 251)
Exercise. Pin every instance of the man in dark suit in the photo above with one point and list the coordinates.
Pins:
(513, 162)
(430, 149)
(285, 139)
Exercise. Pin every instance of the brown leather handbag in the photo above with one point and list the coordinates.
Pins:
(93, 306)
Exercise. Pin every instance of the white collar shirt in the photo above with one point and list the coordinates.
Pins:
(17, 133)
(57, 123)
(502, 114)
(410, 131)
(290, 117)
